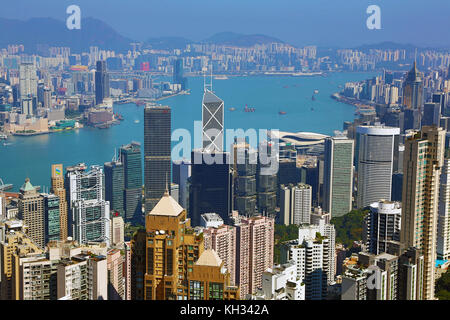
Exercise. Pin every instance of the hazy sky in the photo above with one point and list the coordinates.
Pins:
(300, 22)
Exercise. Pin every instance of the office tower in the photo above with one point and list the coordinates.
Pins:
(181, 172)
(266, 178)
(175, 191)
(311, 253)
(281, 283)
(412, 119)
(312, 174)
(210, 279)
(101, 83)
(431, 114)
(171, 248)
(178, 74)
(57, 188)
(14, 243)
(51, 217)
(31, 211)
(157, 148)
(397, 187)
(130, 157)
(423, 160)
(222, 239)
(90, 211)
(377, 150)
(244, 177)
(338, 176)
(441, 99)
(211, 187)
(295, 204)
(115, 186)
(28, 86)
(410, 275)
(383, 226)
(288, 172)
(117, 230)
(413, 89)
(116, 284)
(443, 230)
(212, 120)
(254, 242)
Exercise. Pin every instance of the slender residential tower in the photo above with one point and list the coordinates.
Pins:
(58, 189)
(157, 162)
(423, 160)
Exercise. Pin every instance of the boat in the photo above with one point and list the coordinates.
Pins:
(136, 121)
(281, 112)
(7, 143)
(232, 109)
(247, 109)
(316, 91)
(3, 136)
(221, 77)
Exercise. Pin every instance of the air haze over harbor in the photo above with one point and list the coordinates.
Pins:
(296, 22)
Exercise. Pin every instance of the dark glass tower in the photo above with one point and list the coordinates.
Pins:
(178, 75)
(211, 187)
(130, 156)
(101, 82)
(413, 89)
(157, 148)
(115, 186)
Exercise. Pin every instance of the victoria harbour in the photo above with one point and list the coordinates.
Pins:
(267, 94)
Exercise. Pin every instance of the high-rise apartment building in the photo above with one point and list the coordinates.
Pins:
(383, 226)
(254, 241)
(157, 149)
(31, 211)
(443, 231)
(222, 240)
(423, 160)
(131, 159)
(28, 86)
(57, 188)
(116, 280)
(295, 204)
(338, 176)
(376, 153)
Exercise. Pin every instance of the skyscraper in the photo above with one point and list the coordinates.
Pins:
(131, 159)
(101, 82)
(423, 160)
(443, 231)
(181, 172)
(295, 204)
(28, 86)
(254, 240)
(377, 150)
(383, 226)
(115, 186)
(51, 217)
(213, 121)
(57, 188)
(157, 149)
(431, 114)
(413, 89)
(338, 176)
(90, 212)
(31, 211)
(178, 74)
(211, 187)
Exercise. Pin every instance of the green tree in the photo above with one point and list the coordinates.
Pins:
(349, 227)
(443, 286)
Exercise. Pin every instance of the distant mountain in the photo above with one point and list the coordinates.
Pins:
(168, 43)
(52, 32)
(240, 40)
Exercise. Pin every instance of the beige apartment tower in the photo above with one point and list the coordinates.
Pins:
(58, 189)
(423, 160)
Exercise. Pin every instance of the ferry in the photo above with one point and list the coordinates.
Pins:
(247, 109)
(232, 109)
(136, 121)
(316, 91)
(281, 112)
